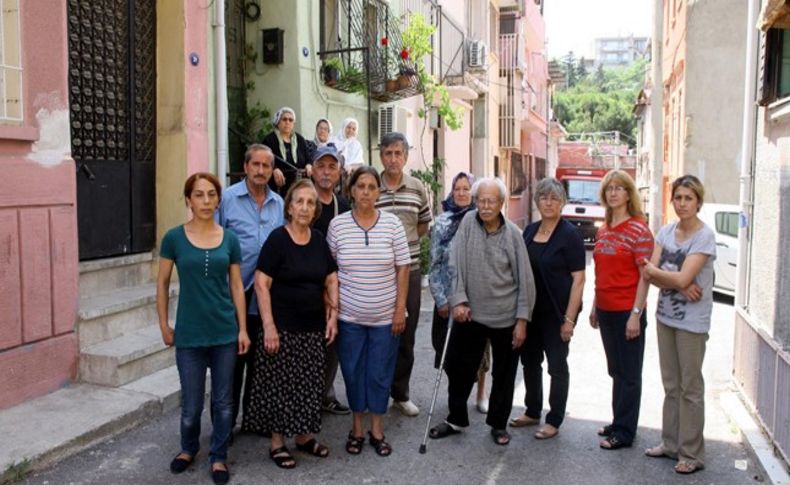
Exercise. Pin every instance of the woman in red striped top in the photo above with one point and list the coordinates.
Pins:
(622, 246)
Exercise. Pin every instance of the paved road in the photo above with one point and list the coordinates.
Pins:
(142, 455)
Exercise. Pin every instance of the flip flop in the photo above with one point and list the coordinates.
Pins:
(657, 452)
(687, 467)
(524, 420)
(546, 432)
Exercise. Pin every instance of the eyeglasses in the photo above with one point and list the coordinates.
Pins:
(287, 119)
(487, 202)
(615, 188)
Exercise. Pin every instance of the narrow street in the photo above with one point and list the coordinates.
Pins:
(142, 455)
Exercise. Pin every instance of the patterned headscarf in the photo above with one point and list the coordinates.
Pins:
(456, 213)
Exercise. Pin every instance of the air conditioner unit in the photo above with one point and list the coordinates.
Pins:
(478, 53)
(393, 118)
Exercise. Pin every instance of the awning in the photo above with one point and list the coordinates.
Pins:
(775, 14)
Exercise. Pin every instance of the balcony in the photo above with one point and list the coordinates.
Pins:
(448, 62)
(511, 94)
(363, 55)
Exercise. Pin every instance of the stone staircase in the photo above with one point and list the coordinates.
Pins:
(120, 342)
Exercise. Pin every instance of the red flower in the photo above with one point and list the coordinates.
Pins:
(404, 54)
(384, 41)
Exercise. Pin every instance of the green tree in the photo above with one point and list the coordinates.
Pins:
(602, 101)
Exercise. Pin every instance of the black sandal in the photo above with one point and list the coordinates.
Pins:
(382, 447)
(282, 458)
(354, 444)
(314, 448)
(500, 436)
(614, 443)
(605, 431)
(442, 431)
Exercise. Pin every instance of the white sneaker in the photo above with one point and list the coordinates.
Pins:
(407, 408)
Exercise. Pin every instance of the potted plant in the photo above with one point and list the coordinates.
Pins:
(391, 65)
(330, 70)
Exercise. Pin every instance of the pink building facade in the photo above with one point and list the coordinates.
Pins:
(42, 129)
(38, 253)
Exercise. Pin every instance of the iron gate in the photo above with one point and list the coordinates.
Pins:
(112, 83)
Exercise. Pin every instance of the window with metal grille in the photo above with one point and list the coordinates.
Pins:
(10, 62)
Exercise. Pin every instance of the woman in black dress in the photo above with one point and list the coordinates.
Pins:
(557, 257)
(295, 272)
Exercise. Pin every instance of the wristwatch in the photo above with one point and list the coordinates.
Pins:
(636, 310)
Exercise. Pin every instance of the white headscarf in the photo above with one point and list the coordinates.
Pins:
(350, 148)
(319, 143)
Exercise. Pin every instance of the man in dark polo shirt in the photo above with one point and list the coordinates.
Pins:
(326, 174)
(405, 197)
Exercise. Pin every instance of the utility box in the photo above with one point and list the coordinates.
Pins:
(273, 46)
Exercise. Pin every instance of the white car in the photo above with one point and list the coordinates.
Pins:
(723, 219)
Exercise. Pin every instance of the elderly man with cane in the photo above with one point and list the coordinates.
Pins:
(492, 298)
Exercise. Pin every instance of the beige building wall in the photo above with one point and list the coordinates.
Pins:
(715, 65)
(297, 81)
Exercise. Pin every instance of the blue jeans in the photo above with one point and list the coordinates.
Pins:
(192, 364)
(624, 362)
(367, 357)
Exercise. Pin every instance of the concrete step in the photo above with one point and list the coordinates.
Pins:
(105, 275)
(163, 385)
(126, 358)
(126, 310)
(52, 427)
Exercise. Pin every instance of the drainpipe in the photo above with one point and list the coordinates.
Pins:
(748, 136)
(657, 120)
(221, 91)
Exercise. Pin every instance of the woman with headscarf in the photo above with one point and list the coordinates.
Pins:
(291, 150)
(456, 205)
(348, 146)
(323, 134)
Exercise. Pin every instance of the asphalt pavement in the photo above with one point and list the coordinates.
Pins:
(142, 455)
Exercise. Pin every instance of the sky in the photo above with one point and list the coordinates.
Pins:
(573, 25)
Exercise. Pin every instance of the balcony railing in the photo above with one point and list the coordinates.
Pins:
(510, 107)
(361, 60)
(448, 62)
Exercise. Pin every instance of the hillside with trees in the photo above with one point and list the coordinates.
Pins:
(601, 100)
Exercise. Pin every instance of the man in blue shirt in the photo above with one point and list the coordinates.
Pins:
(252, 211)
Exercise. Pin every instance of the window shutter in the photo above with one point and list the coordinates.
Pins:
(770, 56)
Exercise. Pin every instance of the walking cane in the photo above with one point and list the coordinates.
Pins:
(423, 448)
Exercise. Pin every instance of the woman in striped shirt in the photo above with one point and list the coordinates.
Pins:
(372, 255)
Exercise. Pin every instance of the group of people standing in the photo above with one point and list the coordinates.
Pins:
(276, 293)
(493, 287)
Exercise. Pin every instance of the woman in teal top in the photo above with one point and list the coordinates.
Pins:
(211, 325)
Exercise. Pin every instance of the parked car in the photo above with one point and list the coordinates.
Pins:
(723, 219)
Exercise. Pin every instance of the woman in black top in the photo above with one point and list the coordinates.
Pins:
(296, 286)
(291, 150)
(557, 257)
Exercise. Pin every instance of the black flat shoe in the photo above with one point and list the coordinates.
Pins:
(605, 431)
(220, 476)
(179, 465)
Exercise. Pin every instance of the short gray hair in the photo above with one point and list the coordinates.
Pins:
(495, 181)
(550, 185)
(393, 138)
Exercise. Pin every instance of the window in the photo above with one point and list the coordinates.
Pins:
(10, 62)
(727, 223)
(774, 80)
(518, 181)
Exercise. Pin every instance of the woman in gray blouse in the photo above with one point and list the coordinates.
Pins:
(682, 267)
(491, 298)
